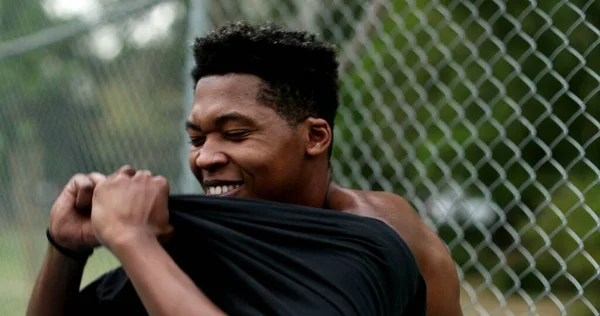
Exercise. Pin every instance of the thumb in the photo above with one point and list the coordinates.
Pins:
(81, 188)
(84, 194)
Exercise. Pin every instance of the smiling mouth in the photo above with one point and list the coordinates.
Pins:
(223, 190)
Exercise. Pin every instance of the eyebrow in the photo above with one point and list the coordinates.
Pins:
(222, 120)
(233, 117)
(189, 125)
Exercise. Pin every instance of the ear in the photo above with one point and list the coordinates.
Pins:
(319, 136)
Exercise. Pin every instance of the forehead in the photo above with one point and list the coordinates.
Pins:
(217, 94)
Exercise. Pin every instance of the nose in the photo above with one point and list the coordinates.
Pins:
(210, 156)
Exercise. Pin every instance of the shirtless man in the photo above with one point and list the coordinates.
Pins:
(261, 127)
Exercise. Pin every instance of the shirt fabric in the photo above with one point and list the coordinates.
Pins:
(253, 257)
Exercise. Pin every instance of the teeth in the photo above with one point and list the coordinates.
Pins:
(222, 189)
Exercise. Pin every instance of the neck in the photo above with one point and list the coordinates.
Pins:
(314, 186)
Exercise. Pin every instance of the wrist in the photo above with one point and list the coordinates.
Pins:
(78, 256)
(57, 258)
(128, 240)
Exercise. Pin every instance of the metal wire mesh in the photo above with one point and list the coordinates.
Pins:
(480, 113)
(84, 85)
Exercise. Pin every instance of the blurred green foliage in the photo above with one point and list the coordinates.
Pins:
(76, 106)
(501, 97)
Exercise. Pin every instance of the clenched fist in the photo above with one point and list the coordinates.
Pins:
(130, 206)
(70, 223)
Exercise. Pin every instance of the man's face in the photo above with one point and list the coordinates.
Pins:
(241, 147)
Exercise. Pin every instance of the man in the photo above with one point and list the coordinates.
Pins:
(261, 128)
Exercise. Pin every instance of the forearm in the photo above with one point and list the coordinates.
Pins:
(57, 286)
(162, 286)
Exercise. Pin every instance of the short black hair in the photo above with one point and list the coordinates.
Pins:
(299, 71)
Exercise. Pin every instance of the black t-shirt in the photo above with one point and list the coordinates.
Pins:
(253, 257)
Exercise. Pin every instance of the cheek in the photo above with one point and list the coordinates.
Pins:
(283, 163)
(193, 155)
(260, 163)
(270, 160)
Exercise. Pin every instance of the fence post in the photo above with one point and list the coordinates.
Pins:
(198, 25)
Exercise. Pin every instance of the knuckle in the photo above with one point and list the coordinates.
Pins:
(82, 182)
(126, 169)
(96, 178)
(78, 175)
(161, 181)
(116, 179)
(144, 173)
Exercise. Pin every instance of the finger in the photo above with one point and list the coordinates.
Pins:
(126, 170)
(97, 178)
(71, 186)
(83, 188)
(143, 174)
(162, 183)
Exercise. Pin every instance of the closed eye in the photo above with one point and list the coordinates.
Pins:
(197, 141)
(236, 135)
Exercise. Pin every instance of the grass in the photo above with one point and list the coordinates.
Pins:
(20, 260)
(21, 255)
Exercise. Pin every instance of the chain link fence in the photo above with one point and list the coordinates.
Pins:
(481, 113)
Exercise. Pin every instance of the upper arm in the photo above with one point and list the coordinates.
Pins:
(443, 287)
(435, 262)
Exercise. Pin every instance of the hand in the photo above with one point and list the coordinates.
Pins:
(70, 224)
(126, 207)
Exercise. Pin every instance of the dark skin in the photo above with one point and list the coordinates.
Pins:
(129, 217)
(238, 140)
(239, 147)
(268, 156)
(435, 263)
(235, 141)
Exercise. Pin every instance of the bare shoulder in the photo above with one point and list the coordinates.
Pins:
(433, 258)
(403, 218)
(391, 205)
(393, 210)
(397, 213)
